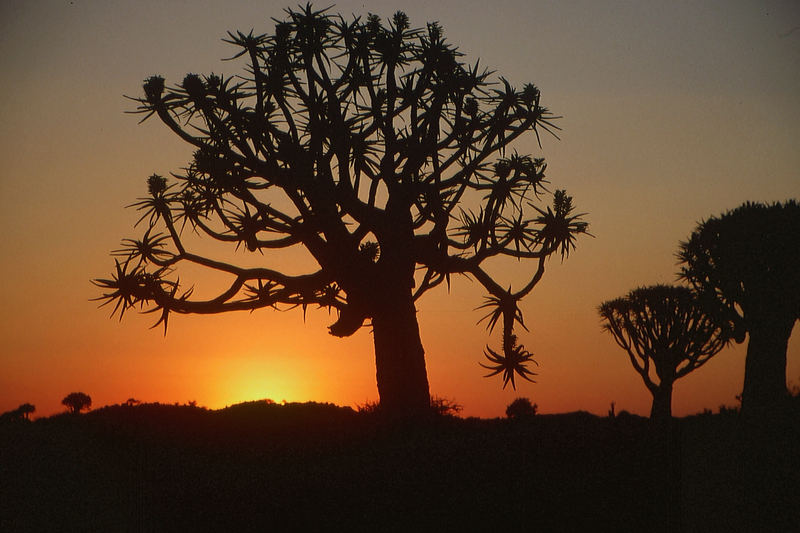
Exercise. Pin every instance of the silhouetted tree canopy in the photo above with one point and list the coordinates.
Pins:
(374, 148)
(521, 408)
(745, 264)
(77, 402)
(26, 410)
(23, 412)
(666, 333)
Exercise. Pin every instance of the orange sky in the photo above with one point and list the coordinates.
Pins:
(672, 112)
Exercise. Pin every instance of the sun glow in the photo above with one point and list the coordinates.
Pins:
(255, 377)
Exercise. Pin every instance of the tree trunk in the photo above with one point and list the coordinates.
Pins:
(400, 359)
(765, 368)
(661, 410)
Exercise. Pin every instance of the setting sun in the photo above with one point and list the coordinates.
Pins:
(257, 377)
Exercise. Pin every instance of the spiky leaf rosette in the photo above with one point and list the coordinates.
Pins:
(513, 360)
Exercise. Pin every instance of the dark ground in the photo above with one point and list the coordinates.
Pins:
(315, 467)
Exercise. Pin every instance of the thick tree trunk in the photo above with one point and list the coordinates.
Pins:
(661, 410)
(764, 389)
(400, 359)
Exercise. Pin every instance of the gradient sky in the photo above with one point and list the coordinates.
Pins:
(673, 112)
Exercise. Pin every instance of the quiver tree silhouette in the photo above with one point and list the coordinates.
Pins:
(26, 410)
(666, 333)
(23, 412)
(374, 148)
(745, 266)
(77, 402)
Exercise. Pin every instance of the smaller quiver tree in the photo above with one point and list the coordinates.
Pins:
(77, 402)
(23, 412)
(26, 410)
(666, 334)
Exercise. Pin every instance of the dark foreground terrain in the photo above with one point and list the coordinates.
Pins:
(314, 467)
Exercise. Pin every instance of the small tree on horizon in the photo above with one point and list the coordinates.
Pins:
(521, 408)
(375, 149)
(22, 412)
(666, 333)
(26, 410)
(745, 266)
(77, 402)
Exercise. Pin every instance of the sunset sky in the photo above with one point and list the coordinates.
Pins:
(673, 112)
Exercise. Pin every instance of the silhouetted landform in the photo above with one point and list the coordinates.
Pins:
(261, 466)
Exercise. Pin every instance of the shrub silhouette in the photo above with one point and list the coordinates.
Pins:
(77, 402)
(26, 410)
(23, 412)
(521, 408)
(745, 265)
(373, 147)
(445, 407)
(666, 326)
(439, 406)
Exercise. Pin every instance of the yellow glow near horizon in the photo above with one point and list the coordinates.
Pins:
(255, 377)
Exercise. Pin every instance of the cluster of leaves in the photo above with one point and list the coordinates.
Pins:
(744, 264)
(513, 361)
(362, 141)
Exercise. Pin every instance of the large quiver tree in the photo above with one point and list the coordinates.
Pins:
(746, 264)
(376, 149)
(666, 333)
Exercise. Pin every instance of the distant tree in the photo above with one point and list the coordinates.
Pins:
(745, 264)
(131, 402)
(521, 408)
(26, 410)
(666, 334)
(22, 412)
(77, 402)
(372, 147)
